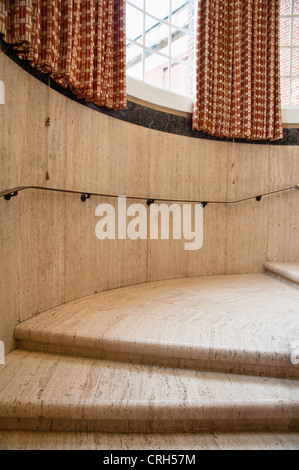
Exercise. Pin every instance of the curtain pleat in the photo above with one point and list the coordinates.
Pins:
(81, 44)
(237, 74)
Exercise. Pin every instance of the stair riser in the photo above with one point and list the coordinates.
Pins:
(131, 426)
(282, 278)
(195, 359)
(284, 271)
(151, 417)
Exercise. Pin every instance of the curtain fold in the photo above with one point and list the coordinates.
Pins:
(237, 74)
(81, 44)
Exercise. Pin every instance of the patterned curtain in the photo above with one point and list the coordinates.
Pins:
(238, 69)
(81, 44)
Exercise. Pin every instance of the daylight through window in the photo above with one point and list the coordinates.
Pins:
(289, 52)
(160, 45)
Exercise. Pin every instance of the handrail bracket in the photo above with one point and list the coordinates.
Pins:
(7, 197)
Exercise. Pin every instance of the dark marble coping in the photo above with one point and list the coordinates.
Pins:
(145, 116)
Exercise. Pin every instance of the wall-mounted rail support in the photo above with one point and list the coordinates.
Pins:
(84, 197)
(150, 201)
(8, 196)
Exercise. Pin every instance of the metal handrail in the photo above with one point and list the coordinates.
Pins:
(9, 193)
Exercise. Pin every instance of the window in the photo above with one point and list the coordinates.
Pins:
(289, 52)
(160, 53)
(160, 43)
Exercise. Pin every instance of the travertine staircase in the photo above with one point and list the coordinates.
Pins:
(209, 357)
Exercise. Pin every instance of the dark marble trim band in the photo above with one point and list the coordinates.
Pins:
(148, 117)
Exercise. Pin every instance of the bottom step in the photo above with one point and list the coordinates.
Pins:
(42, 392)
(245, 324)
(22, 440)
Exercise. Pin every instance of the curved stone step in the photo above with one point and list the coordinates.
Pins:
(242, 324)
(42, 392)
(284, 271)
(30, 440)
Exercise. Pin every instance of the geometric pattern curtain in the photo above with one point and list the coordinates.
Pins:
(81, 44)
(237, 83)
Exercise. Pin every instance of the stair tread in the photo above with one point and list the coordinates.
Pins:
(286, 270)
(110, 396)
(234, 323)
(29, 440)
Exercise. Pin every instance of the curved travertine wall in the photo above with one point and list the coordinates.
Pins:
(49, 252)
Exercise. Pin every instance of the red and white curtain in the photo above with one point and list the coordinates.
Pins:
(81, 44)
(238, 69)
